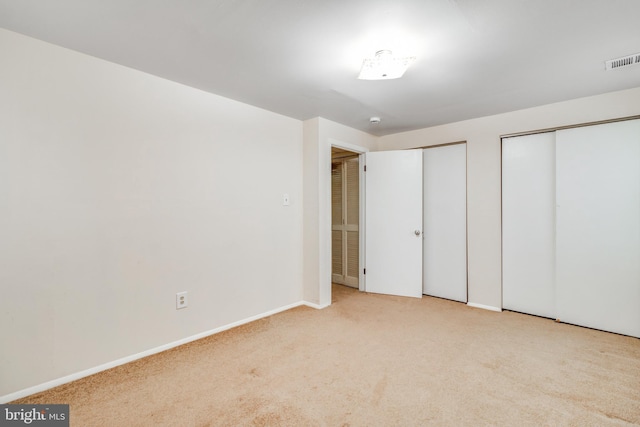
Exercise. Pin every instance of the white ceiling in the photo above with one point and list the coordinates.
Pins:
(301, 58)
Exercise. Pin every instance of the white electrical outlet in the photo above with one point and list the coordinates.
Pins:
(181, 300)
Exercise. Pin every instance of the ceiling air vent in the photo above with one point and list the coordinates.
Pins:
(625, 61)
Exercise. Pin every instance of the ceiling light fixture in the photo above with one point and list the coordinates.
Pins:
(384, 66)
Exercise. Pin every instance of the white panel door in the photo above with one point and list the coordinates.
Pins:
(445, 222)
(598, 226)
(393, 223)
(528, 224)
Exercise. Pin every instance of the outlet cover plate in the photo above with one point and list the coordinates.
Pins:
(181, 300)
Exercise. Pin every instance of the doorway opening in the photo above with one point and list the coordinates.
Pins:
(345, 218)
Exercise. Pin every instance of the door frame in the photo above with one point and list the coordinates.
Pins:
(361, 227)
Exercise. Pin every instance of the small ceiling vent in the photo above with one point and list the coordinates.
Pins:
(625, 61)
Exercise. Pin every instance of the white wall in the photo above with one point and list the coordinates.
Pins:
(483, 173)
(319, 135)
(119, 189)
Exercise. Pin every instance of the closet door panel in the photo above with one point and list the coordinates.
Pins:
(445, 222)
(337, 244)
(598, 226)
(528, 222)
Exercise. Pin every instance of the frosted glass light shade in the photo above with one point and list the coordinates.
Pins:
(384, 66)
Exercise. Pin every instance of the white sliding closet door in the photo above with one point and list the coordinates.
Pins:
(528, 224)
(598, 226)
(445, 222)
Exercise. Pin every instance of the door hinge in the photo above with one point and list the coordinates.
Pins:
(365, 271)
(365, 168)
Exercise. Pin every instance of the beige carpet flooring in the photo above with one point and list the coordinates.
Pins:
(373, 360)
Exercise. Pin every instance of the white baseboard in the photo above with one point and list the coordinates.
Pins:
(78, 375)
(484, 307)
(316, 306)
